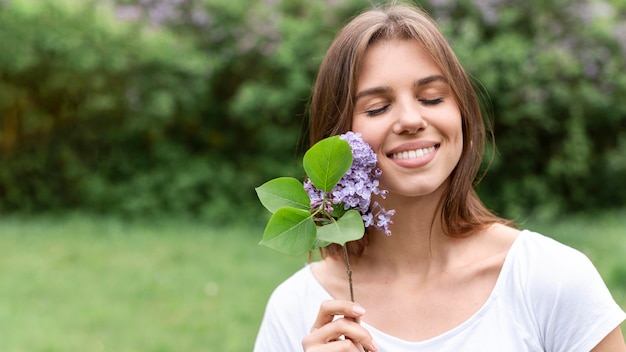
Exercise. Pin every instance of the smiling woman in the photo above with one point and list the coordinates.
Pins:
(452, 275)
(409, 95)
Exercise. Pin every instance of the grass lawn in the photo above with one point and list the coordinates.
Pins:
(88, 284)
(100, 284)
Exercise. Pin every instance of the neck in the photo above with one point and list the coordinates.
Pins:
(417, 240)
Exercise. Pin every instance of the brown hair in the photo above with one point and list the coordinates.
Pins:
(333, 100)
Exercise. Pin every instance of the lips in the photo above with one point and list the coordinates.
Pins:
(413, 150)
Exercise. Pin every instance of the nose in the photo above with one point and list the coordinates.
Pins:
(408, 119)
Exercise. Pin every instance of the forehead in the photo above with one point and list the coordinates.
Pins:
(395, 59)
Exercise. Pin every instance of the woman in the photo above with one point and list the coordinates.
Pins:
(452, 276)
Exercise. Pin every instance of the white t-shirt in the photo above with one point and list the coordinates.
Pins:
(548, 297)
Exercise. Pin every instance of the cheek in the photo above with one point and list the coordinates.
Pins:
(459, 133)
(371, 132)
(457, 137)
(453, 126)
(357, 125)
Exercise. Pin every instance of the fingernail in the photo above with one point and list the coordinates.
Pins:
(376, 348)
(358, 310)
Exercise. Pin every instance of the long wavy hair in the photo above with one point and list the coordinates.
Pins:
(332, 105)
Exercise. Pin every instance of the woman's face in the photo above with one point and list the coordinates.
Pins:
(406, 111)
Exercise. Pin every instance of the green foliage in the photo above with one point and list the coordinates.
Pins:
(283, 192)
(91, 107)
(295, 227)
(554, 72)
(186, 112)
(269, 54)
(326, 162)
(349, 227)
(290, 230)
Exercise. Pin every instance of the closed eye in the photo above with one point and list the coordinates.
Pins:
(375, 112)
(431, 101)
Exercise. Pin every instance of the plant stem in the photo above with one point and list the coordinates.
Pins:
(348, 271)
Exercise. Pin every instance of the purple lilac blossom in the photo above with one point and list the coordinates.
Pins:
(356, 187)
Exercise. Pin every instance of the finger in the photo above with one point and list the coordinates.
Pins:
(334, 346)
(330, 309)
(340, 329)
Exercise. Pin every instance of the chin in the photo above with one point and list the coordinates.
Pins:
(416, 189)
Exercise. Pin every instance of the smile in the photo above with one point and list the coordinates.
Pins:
(412, 154)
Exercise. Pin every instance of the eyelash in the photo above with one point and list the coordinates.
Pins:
(431, 101)
(379, 111)
(375, 112)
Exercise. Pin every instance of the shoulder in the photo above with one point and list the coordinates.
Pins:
(299, 288)
(290, 312)
(545, 257)
(498, 238)
(568, 299)
(546, 267)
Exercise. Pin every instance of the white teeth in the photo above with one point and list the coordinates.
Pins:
(412, 154)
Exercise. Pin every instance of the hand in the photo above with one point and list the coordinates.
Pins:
(343, 334)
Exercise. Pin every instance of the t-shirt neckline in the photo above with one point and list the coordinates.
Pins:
(495, 292)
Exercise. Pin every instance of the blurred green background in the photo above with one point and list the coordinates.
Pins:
(182, 107)
(133, 133)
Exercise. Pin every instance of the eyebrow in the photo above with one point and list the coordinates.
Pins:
(426, 80)
(385, 89)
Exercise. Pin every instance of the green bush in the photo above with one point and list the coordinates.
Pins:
(555, 75)
(90, 108)
(158, 107)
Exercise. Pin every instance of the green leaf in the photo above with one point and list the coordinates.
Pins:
(283, 192)
(319, 243)
(327, 161)
(290, 231)
(338, 210)
(348, 228)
